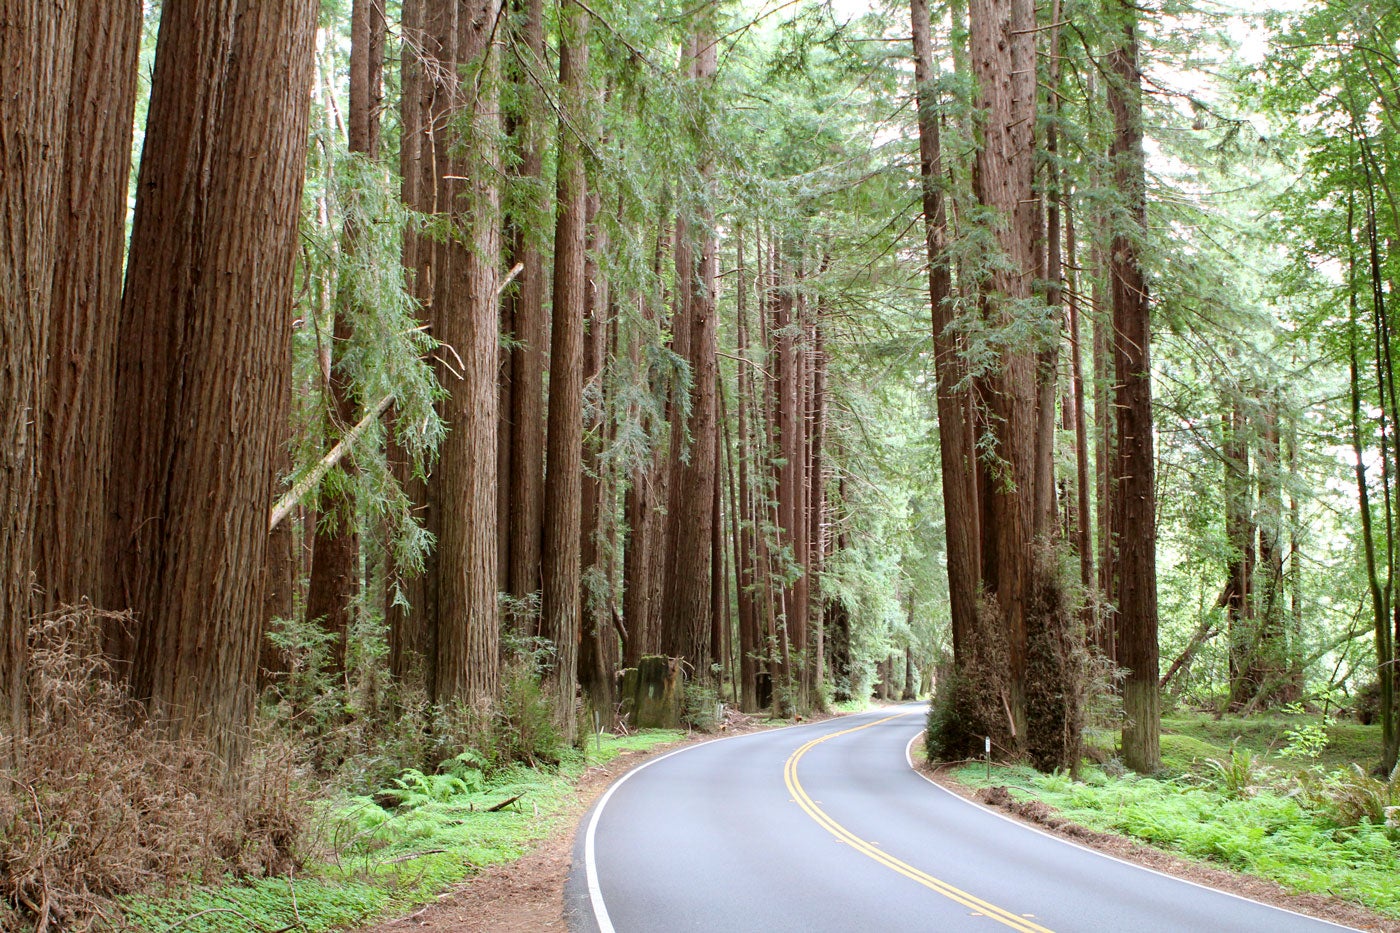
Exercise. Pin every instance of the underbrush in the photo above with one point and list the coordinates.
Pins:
(101, 805)
(1271, 799)
(397, 848)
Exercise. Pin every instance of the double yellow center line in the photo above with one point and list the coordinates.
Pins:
(811, 808)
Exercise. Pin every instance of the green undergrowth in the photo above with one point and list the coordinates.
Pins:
(1277, 796)
(397, 849)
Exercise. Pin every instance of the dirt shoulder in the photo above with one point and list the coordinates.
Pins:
(1047, 820)
(527, 895)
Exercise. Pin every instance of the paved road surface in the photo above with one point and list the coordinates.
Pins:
(825, 827)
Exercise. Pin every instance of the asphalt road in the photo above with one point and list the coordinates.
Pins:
(826, 827)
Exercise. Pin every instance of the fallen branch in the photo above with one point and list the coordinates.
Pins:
(503, 804)
(289, 500)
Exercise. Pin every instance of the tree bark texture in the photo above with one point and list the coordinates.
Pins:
(465, 317)
(689, 514)
(529, 320)
(36, 68)
(1134, 502)
(560, 604)
(957, 456)
(1002, 45)
(205, 352)
(406, 598)
(86, 302)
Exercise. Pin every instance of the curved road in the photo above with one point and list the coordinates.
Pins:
(826, 827)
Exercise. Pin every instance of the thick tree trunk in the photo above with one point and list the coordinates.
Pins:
(1002, 44)
(686, 630)
(206, 319)
(36, 71)
(465, 316)
(1134, 501)
(561, 594)
(86, 302)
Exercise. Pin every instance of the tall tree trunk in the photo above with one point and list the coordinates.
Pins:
(560, 604)
(1239, 533)
(745, 556)
(36, 72)
(597, 664)
(955, 447)
(529, 320)
(1002, 42)
(465, 317)
(201, 368)
(1134, 500)
(86, 301)
(686, 631)
(1083, 537)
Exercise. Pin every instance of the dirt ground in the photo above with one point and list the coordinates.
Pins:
(527, 896)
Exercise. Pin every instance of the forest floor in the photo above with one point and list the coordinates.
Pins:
(527, 895)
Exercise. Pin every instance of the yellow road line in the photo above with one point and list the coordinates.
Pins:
(809, 806)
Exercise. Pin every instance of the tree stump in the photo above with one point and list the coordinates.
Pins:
(653, 693)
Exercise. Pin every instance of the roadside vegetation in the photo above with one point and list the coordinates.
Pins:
(388, 852)
(1281, 795)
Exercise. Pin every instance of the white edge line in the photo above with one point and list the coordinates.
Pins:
(590, 866)
(909, 759)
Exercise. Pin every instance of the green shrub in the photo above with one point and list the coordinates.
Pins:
(1238, 776)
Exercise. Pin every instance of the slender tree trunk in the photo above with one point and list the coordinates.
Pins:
(1239, 533)
(745, 558)
(956, 454)
(1083, 536)
(206, 319)
(1134, 501)
(529, 320)
(597, 665)
(425, 88)
(560, 604)
(335, 556)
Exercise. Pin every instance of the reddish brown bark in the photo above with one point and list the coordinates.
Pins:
(1002, 45)
(956, 454)
(1134, 500)
(206, 325)
(560, 604)
(465, 317)
(529, 325)
(86, 301)
(36, 53)
(686, 632)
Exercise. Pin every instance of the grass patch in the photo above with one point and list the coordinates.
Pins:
(393, 851)
(1238, 793)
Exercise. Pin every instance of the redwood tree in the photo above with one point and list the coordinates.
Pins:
(205, 329)
(36, 48)
(564, 451)
(1134, 502)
